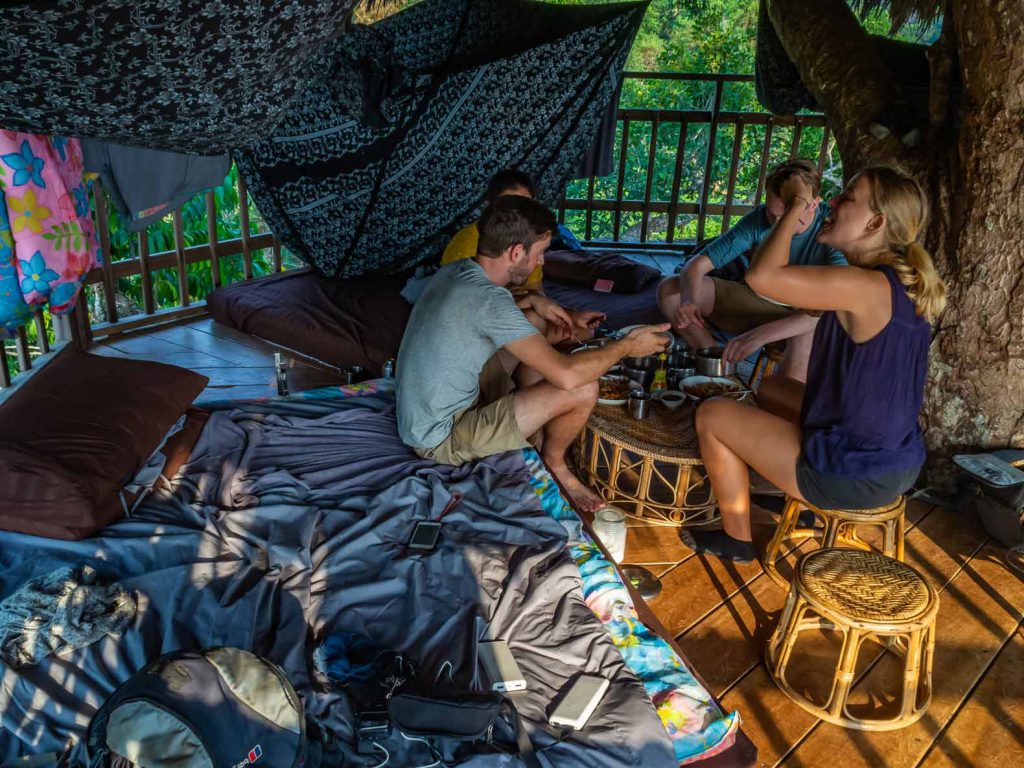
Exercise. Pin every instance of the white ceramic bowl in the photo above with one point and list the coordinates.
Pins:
(672, 398)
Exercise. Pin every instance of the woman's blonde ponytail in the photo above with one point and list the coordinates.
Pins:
(903, 203)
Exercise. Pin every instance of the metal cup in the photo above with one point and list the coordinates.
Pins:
(674, 376)
(710, 363)
(639, 404)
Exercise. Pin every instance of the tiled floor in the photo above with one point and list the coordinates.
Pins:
(721, 614)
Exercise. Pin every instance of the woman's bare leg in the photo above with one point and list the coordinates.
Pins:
(734, 437)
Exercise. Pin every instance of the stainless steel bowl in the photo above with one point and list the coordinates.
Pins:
(710, 363)
(648, 363)
(640, 369)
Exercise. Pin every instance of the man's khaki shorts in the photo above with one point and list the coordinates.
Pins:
(489, 425)
(738, 309)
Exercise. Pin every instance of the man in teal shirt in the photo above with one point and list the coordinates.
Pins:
(695, 299)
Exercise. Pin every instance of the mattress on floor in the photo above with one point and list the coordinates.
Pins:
(339, 322)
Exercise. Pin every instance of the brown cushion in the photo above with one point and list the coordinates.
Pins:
(77, 431)
(585, 268)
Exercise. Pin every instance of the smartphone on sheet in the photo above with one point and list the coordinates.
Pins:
(579, 702)
(425, 535)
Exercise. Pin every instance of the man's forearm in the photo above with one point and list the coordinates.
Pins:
(691, 276)
(796, 324)
(773, 253)
(585, 367)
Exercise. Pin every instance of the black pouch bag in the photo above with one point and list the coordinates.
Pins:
(459, 716)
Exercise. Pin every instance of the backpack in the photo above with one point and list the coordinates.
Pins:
(215, 708)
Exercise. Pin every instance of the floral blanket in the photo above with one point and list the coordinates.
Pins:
(47, 241)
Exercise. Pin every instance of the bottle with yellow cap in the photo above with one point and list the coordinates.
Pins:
(660, 382)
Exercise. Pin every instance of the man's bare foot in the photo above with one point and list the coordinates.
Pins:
(582, 498)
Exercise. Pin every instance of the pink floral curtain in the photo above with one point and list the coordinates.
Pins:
(47, 240)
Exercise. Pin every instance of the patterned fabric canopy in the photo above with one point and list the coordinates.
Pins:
(201, 76)
(388, 152)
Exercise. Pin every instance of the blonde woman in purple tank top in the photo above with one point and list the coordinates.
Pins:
(856, 442)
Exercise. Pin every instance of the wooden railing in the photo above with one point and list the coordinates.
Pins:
(143, 265)
(702, 145)
(703, 128)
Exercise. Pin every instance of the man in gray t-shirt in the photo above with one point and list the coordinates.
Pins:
(475, 373)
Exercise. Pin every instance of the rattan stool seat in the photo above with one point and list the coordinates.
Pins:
(864, 596)
(865, 586)
(840, 529)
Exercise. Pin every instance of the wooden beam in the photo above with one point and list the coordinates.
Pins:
(651, 153)
(142, 268)
(167, 259)
(766, 153)
(211, 234)
(798, 129)
(243, 223)
(724, 117)
(656, 206)
(109, 294)
(623, 154)
(276, 250)
(159, 317)
(179, 259)
(734, 167)
(709, 163)
(21, 348)
(677, 176)
(5, 368)
(40, 323)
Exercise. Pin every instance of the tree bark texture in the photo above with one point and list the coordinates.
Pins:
(972, 166)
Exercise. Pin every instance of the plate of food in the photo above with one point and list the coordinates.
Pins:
(705, 387)
(613, 389)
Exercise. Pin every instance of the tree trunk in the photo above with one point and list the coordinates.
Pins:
(976, 394)
(972, 166)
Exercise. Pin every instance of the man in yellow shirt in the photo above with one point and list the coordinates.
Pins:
(464, 246)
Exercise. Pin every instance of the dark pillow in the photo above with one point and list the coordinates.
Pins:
(76, 432)
(585, 268)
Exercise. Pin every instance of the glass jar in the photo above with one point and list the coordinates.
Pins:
(610, 527)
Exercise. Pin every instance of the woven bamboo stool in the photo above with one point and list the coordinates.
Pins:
(649, 468)
(766, 363)
(840, 530)
(865, 596)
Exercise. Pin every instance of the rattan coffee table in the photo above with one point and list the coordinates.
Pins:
(649, 468)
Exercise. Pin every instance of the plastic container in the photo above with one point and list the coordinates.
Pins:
(610, 527)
